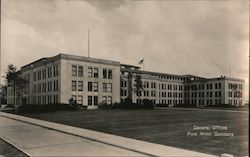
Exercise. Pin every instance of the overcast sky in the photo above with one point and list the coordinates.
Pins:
(198, 37)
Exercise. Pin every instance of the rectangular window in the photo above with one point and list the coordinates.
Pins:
(109, 88)
(90, 89)
(90, 71)
(73, 85)
(74, 98)
(219, 86)
(74, 70)
(34, 76)
(89, 100)
(95, 72)
(109, 101)
(104, 85)
(80, 86)
(44, 74)
(109, 74)
(95, 86)
(104, 100)
(95, 100)
(80, 71)
(79, 99)
(104, 73)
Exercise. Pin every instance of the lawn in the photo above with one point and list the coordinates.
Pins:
(167, 127)
(8, 150)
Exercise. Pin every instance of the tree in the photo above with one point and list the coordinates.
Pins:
(15, 80)
(138, 86)
(3, 94)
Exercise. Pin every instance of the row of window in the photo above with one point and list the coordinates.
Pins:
(202, 102)
(235, 86)
(92, 86)
(235, 94)
(51, 86)
(235, 102)
(49, 72)
(170, 87)
(202, 94)
(42, 99)
(92, 100)
(202, 86)
(170, 101)
(92, 72)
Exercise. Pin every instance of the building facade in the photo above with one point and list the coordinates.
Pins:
(91, 82)
(172, 90)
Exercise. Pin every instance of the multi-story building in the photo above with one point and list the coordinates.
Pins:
(57, 79)
(172, 89)
(91, 82)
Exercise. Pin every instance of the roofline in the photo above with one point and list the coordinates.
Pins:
(71, 57)
(151, 73)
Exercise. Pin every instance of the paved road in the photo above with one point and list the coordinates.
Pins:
(40, 138)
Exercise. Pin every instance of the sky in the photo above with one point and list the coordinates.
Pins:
(199, 37)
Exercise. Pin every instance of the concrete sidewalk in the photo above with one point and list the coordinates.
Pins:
(41, 138)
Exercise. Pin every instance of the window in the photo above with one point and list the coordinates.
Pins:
(104, 100)
(34, 88)
(80, 71)
(34, 76)
(109, 88)
(74, 98)
(74, 70)
(80, 86)
(104, 73)
(109, 74)
(79, 99)
(95, 72)
(49, 72)
(73, 85)
(109, 101)
(90, 89)
(90, 71)
(124, 83)
(39, 75)
(44, 74)
(104, 85)
(95, 86)
(55, 70)
(89, 100)
(95, 100)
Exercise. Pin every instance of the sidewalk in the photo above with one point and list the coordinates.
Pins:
(40, 138)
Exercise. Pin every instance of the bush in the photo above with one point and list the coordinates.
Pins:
(31, 108)
(161, 105)
(222, 106)
(104, 106)
(186, 105)
(147, 104)
(127, 104)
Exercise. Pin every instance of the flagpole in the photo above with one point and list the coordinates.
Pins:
(88, 43)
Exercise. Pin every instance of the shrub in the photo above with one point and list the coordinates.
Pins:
(186, 105)
(104, 106)
(161, 105)
(222, 106)
(147, 104)
(31, 108)
(127, 104)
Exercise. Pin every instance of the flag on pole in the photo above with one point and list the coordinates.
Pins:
(141, 61)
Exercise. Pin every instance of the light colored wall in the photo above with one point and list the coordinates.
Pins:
(66, 80)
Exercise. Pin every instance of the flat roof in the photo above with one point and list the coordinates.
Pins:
(47, 60)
